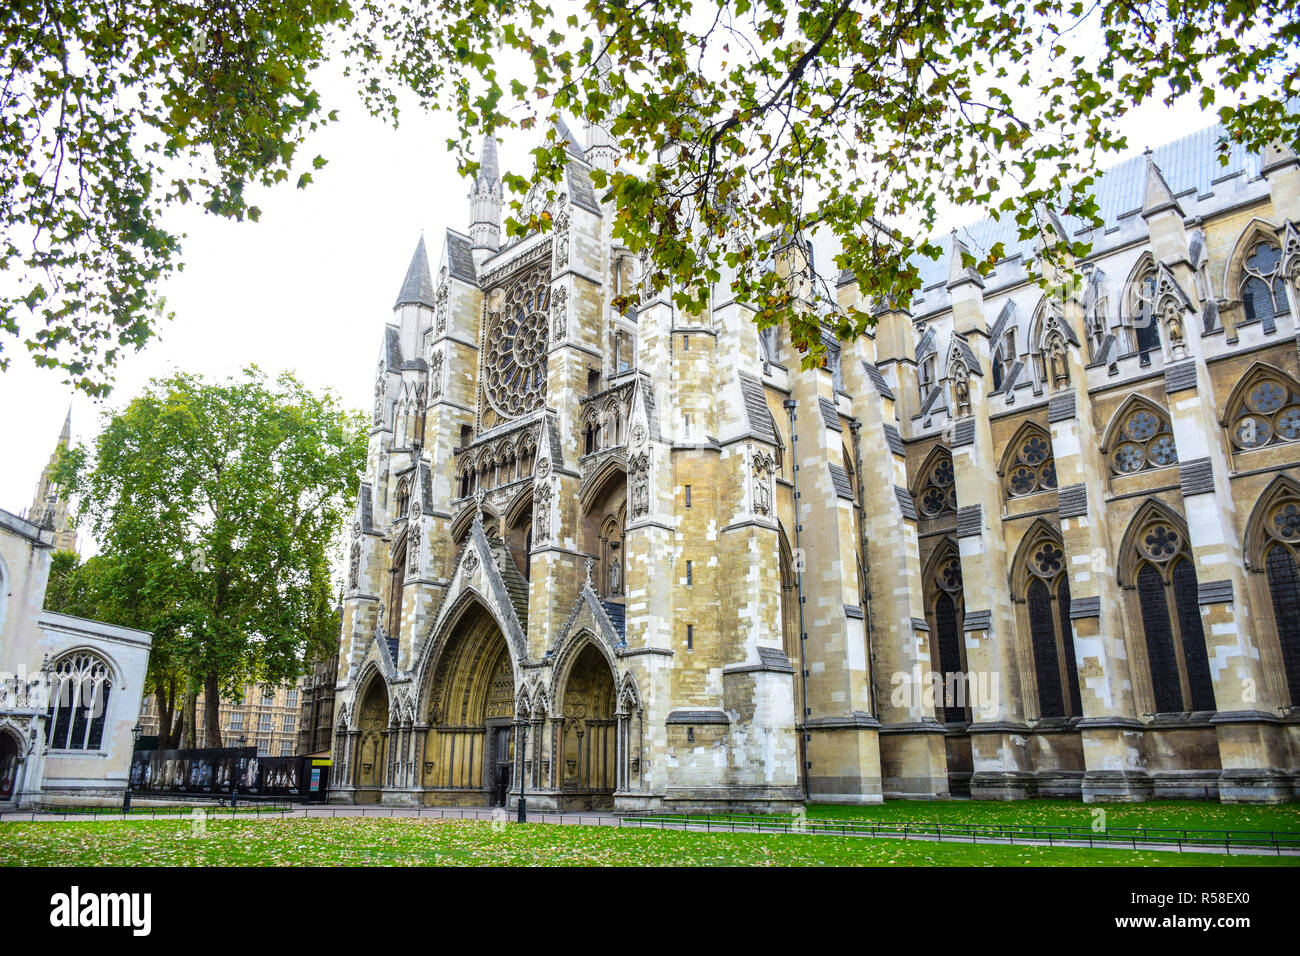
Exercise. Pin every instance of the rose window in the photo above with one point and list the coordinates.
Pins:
(515, 342)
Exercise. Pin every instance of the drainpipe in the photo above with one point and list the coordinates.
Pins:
(789, 406)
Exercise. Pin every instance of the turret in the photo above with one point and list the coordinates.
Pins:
(485, 201)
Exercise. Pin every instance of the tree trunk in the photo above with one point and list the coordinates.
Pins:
(177, 727)
(191, 709)
(164, 699)
(212, 710)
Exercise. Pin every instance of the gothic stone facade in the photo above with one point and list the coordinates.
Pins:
(1002, 545)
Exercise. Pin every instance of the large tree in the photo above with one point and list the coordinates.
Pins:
(218, 509)
(110, 112)
(739, 125)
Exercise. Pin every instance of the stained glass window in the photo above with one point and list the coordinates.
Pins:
(939, 490)
(1046, 660)
(1171, 620)
(1033, 468)
(1146, 440)
(1160, 641)
(1263, 287)
(1284, 587)
(1268, 412)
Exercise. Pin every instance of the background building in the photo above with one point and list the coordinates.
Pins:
(267, 717)
(695, 575)
(50, 509)
(70, 688)
(316, 722)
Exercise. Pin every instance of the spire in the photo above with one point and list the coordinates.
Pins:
(1158, 197)
(485, 201)
(65, 436)
(959, 274)
(489, 172)
(417, 287)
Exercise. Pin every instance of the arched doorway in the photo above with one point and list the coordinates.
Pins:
(588, 733)
(470, 744)
(372, 746)
(10, 760)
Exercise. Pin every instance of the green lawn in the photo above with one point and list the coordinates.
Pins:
(1172, 814)
(430, 842)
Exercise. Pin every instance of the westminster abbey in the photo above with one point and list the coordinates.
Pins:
(1001, 546)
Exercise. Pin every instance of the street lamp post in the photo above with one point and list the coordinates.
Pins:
(135, 740)
(523, 771)
(240, 741)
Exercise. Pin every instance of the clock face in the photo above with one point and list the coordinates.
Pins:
(515, 341)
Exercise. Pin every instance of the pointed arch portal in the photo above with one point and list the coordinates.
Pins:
(470, 706)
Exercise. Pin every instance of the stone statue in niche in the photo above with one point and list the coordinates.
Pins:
(435, 375)
(639, 479)
(413, 548)
(560, 313)
(615, 576)
(764, 466)
(1174, 329)
(1058, 367)
(960, 388)
(542, 507)
(440, 300)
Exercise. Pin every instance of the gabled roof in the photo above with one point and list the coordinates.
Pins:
(460, 258)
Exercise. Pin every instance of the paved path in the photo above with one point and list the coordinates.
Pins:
(611, 819)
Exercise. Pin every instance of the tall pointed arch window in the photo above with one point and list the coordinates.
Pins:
(1281, 563)
(946, 608)
(1170, 616)
(1030, 467)
(1004, 355)
(1263, 285)
(80, 686)
(937, 494)
(1047, 602)
(1144, 330)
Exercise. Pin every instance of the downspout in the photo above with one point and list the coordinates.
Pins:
(789, 406)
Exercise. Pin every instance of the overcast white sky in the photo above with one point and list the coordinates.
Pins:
(309, 287)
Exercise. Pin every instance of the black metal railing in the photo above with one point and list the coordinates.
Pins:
(1052, 835)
